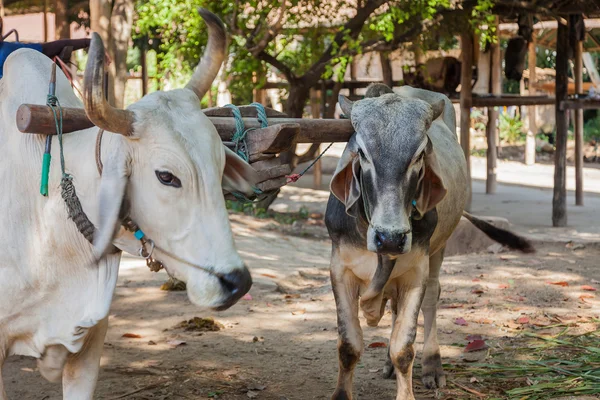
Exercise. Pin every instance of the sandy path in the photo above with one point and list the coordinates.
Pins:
(283, 346)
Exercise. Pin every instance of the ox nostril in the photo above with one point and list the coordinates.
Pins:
(380, 239)
(237, 283)
(401, 240)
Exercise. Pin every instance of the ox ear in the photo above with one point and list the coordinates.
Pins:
(438, 108)
(346, 105)
(238, 175)
(111, 196)
(432, 189)
(345, 183)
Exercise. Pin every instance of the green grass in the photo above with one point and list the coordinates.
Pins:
(543, 367)
(286, 218)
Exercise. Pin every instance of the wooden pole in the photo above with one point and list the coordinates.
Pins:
(530, 140)
(578, 53)
(559, 199)
(144, 64)
(492, 125)
(1, 18)
(386, 68)
(466, 41)
(317, 168)
(45, 15)
(352, 76)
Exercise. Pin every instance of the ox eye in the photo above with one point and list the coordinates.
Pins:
(168, 179)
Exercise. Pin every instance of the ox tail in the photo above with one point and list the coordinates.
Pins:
(501, 236)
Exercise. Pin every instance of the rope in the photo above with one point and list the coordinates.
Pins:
(68, 193)
(240, 147)
(239, 136)
(261, 114)
(294, 177)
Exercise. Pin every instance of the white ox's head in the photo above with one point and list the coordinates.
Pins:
(168, 173)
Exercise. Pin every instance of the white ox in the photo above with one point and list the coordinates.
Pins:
(163, 163)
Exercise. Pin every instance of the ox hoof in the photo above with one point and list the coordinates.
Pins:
(341, 394)
(434, 379)
(388, 370)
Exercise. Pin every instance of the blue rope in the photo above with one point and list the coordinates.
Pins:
(239, 141)
(261, 114)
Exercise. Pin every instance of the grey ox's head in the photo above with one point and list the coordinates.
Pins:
(388, 174)
(167, 169)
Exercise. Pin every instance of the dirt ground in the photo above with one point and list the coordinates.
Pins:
(280, 342)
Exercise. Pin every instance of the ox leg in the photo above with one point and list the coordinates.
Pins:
(350, 340)
(432, 371)
(81, 371)
(410, 296)
(388, 370)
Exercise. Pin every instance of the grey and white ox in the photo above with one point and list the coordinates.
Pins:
(399, 191)
(164, 165)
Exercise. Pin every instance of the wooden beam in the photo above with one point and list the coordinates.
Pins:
(580, 104)
(530, 138)
(559, 198)
(511, 100)
(33, 118)
(466, 42)
(578, 72)
(492, 125)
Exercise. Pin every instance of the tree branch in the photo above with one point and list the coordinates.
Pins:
(351, 28)
(272, 31)
(284, 69)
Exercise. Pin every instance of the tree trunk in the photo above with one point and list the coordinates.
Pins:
(61, 21)
(297, 97)
(386, 69)
(121, 22)
(100, 11)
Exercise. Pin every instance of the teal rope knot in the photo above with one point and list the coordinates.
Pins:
(54, 104)
(239, 141)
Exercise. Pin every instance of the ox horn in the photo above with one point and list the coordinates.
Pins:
(213, 56)
(102, 114)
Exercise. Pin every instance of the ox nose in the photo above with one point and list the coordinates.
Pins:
(235, 284)
(390, 242)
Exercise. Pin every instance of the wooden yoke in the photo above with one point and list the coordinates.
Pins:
(262, 144)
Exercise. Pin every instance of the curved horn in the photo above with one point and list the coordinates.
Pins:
(213, 56)
(102, 114)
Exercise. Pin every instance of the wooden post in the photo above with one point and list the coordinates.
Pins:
(1, 18)
(530, 140)
(62, 29)
(317, 168)
(386, 68)
(578, 53)
(352, 77)
(144, 64)
(559, 199)
(492, 125)
(45, 15)
(466, 99)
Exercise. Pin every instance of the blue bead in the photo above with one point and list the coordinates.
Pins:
(414, 203)
(139, 234)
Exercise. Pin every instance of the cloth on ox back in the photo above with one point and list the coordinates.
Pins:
(52, 289)
(6, 48)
